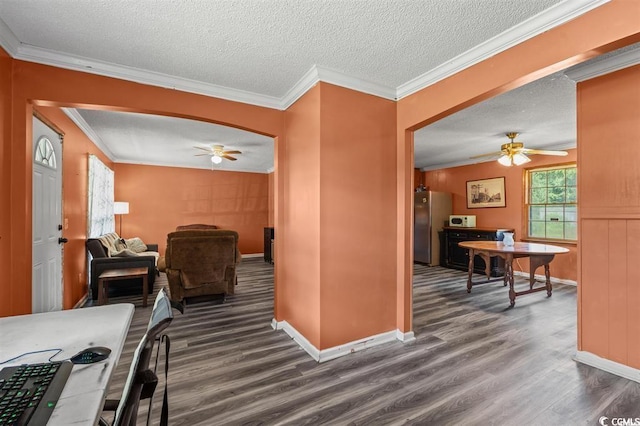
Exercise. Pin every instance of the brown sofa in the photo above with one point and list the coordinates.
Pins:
(200, 262)
(102, 250)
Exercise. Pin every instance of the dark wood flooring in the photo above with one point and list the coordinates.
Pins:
(475, 362)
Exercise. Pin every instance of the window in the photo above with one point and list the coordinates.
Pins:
(552, 203)
(100, 198)
(44, 153)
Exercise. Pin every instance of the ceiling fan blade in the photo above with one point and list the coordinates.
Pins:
(232, 152)
(204, 149)
(493, 154)
(228, 157)
(199, 155)
(544, 152)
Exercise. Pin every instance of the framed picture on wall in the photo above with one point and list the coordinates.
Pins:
(486, 193)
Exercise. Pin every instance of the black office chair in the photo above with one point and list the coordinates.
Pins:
(141, 381)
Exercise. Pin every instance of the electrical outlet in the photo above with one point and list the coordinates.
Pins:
(66, 223)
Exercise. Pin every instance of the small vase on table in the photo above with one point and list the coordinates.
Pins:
(508, 239)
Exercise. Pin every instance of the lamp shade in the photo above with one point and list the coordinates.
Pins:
(519, 159)
(121, 207)
(505, 160)
(216, 159)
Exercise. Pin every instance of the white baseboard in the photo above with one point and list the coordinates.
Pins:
(405, 337)
(341, 350)
(543, 278)
(608, 365)
(249, 256)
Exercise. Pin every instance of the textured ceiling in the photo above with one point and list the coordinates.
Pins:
(169, 141)
(248, 49)
(543, 112)
(265, 47)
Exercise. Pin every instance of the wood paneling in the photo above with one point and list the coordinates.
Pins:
(594, 304)
(609, 196)
(617, 293)
(633, 294)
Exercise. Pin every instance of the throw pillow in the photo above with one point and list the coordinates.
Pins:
(136, 245)
(120, 245)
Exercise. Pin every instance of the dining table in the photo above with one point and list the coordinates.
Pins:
(538, 254)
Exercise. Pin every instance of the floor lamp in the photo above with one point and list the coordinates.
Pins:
(120, 208)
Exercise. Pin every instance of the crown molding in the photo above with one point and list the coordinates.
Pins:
(596, 68)
(543, 21)
(78, 63)
(73, 114)
(8, 39)
(319, 73)
(306, 82)
(552, 17)
(332, 76)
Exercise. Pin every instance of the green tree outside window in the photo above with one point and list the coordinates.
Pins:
(552, 203)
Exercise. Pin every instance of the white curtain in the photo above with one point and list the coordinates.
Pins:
(100, 209)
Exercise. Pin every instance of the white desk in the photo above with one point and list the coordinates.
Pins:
(83, 396)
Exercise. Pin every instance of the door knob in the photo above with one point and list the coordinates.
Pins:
(62, 240)
(59, 227)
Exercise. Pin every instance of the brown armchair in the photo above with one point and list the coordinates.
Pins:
(201, 262)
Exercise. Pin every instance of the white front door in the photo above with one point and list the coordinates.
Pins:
(47, 219)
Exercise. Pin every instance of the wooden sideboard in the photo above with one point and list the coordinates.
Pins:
(457, 257)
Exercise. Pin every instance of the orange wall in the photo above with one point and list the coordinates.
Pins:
(161, 198)
(298, 291)
(5, 179)
(454, 180)
(357, 223)
(340, 226)
(35, 84)
(609, 214)
(610, 26)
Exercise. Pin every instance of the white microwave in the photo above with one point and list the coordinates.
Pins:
(463, 221)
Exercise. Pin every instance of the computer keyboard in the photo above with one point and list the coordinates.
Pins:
(30, 392)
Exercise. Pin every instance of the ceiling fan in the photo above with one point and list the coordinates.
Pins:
(217, 153)
(514, 153)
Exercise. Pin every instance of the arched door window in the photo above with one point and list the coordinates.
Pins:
(44, 153)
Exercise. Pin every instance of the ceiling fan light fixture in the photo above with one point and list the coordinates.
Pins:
(215, 159)
(520, 159)
(505, 160)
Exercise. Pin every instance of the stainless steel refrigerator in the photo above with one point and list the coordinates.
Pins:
(431, 212)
